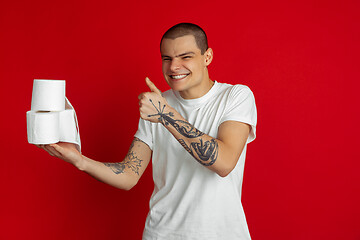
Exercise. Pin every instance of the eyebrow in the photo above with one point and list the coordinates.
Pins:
(180, 55)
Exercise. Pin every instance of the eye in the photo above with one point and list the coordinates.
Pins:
(166, 59)
(187, 57)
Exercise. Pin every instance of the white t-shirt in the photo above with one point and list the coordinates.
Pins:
(190, 201)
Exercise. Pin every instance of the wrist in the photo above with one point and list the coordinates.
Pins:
(81, 163)
(173, 113)
(170, 115)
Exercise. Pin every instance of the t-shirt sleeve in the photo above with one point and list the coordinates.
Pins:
(144, 132)
(241, 107)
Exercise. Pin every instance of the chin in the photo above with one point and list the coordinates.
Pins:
(178, 86)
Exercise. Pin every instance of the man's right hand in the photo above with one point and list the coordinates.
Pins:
(65, 151)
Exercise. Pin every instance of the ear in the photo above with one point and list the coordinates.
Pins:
(208, 56)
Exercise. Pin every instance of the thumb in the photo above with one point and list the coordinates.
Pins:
(152, 86)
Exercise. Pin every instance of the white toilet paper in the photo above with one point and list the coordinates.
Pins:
(48, 95)
(52, 127)
(46, 127)
(43, 127)
(67, 126)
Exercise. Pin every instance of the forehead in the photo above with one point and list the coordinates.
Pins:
(173, 47)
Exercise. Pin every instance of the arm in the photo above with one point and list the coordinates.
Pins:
(218, 154)
(123, 175)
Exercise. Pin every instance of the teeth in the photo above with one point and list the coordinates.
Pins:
(178, 76)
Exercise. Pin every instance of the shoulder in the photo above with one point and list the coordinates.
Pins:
(235, 91)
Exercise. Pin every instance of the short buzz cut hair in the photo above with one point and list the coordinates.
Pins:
(183, 29)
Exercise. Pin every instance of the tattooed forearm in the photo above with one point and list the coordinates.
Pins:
(183, 127)
(205, 153)
(182, 142)
(131, 161)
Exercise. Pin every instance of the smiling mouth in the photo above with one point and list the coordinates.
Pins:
(179, 76)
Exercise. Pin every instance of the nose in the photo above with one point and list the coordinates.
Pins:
(175, 65)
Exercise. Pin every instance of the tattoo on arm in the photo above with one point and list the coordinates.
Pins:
(131, 161)
(182, 142)
(134, 141)
(116, 167)
(183, 127)
(205, 153)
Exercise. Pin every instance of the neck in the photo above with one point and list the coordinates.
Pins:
(198, 91)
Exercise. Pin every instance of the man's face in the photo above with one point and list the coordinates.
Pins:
(183, 66)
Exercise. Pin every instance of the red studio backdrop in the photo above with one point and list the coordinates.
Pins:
(300, 58)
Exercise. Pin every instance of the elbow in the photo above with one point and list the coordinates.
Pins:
(224, 172)
(224, 166)
(128, 186)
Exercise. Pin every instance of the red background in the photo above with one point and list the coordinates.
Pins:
(301, 59)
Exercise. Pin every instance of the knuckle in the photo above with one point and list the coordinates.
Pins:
(148, 94)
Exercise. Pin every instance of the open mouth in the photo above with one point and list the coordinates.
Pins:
(178, 76)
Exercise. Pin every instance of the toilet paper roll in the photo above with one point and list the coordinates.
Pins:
(53, 127)
(48, 95)
(43, 127)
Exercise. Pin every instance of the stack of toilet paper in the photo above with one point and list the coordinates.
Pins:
(52, 118)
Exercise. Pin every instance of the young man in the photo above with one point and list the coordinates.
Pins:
(196, 134)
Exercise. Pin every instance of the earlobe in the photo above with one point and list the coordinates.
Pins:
(208, 56)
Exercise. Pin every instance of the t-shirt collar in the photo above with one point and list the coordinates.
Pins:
(197, 101)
